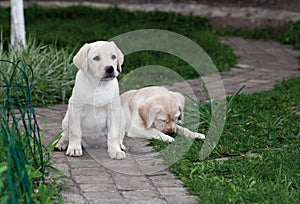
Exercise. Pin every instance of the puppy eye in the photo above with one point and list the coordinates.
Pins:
(97, 58)
(113, 57)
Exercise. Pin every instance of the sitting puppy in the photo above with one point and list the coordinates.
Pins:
(153, 112)
(94, 106)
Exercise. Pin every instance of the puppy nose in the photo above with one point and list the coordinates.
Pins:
(171, 133)
(109, 69)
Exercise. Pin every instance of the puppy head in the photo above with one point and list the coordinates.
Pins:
(102, 59)
(163, 112)
(167, 120)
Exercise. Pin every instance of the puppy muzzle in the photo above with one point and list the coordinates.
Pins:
(109, 73)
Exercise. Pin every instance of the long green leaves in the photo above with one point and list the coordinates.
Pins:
(23, 159)
(54, 75)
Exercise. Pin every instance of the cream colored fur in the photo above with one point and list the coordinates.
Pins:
(94, 107)
(153, 112)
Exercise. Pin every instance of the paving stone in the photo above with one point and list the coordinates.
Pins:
(165, 181)
(88, 171)
(128, 183)
(236, 79)
(181, 199)
(141, 149)
(140, 194)
(98, 187)
(143, 196)
(173, 191)
(59, 157)
(71, 188)
(88, 163)
(67, 181)
(93, 179)
(112, 197)
(151, 167)
(136, 142)
(73, 198)
(127, 166)
(64, 168)
(59, 107)
(147, 201)
(258, 81)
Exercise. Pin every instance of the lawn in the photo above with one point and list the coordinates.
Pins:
(261, 141)
(289, 36)
(261, 135)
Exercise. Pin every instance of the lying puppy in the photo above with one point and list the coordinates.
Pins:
(153, 112)
(94, 107)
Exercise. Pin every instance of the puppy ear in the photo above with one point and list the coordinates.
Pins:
(80, 60)
(147, 112)
(181, 101)
(120, 57)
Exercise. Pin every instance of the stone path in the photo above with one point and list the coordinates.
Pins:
(262, 64)
(141, 178)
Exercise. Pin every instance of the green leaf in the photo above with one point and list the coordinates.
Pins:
(3, 167)
(44, 195)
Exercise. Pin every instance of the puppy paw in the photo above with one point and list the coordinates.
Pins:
(169, 139)
(62, 144)
(117, 155)
(165, 138)
(199, 136)
(74, 150)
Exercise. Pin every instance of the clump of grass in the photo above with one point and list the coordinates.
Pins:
(291, 36)
(288, 36)
(53, 73)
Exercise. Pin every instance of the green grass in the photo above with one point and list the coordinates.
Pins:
(289, 36)
(261, 136)
(53, 73)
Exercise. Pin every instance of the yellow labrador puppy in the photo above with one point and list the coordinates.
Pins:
(153, 112)
(94, 107)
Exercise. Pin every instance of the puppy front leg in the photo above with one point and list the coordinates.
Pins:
(149, 134)
(186, 132)
(74, 148)
(63, 142)
(115, 136)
